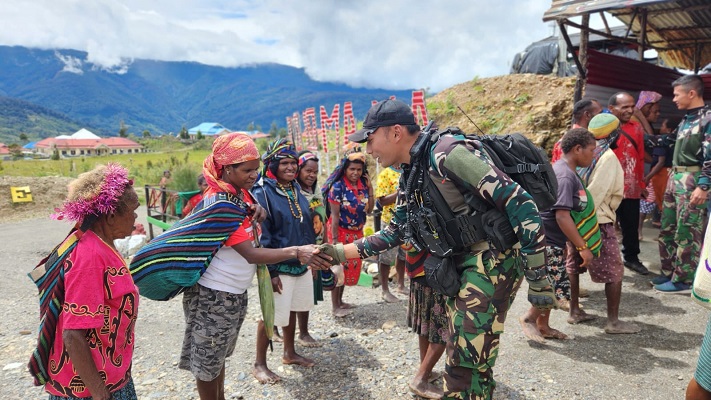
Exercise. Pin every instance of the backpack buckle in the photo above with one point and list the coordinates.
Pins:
(521, 168)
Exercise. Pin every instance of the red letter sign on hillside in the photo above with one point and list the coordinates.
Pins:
(293, 127)
(418, 107)
(329, 121)
(349, 123)
(310, 129)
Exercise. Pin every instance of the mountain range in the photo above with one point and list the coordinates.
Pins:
(161, 97)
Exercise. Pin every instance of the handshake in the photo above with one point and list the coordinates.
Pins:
(324, 257)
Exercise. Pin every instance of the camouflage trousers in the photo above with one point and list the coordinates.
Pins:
(476, 321)
(682, 228)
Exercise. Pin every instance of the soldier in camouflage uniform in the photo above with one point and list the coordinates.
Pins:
(685, 197)
(490, 277)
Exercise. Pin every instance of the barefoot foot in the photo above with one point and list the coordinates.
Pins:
(298, 360)
(276, 338)
(307, 341)
(341, 312)
(530, 330)
(434, 375)
(389, 297)
(426, 390)
(621, 327)
(550, 333)
(347, 306)
(579, 316)
(403, 290)
(265, 375)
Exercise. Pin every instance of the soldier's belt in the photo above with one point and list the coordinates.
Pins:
(690, 168)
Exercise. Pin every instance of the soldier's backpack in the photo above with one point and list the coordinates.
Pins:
(520, 159)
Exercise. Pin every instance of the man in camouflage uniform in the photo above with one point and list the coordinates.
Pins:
(685, 197)
(490, 277)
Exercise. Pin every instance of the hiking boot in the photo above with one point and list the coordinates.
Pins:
(660, 279)
(673, 287)
(637, 267)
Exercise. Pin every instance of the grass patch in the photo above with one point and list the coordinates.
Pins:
(522, 99)
(143, 168)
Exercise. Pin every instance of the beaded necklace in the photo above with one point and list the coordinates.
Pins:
(290, 191)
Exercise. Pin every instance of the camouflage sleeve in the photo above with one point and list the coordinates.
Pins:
(458, 161)
(705, 122)
(387, 237)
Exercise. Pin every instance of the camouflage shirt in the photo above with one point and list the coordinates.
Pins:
(692, 142)
(456, 165)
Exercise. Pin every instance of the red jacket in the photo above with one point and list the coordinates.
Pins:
(631, 156)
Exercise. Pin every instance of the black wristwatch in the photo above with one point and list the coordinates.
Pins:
(704, 187)
(535, 274)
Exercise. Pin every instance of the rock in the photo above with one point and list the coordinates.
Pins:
(14, 365)
(389, 325)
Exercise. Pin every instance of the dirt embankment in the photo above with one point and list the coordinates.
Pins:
(540, 106)
(47, 194)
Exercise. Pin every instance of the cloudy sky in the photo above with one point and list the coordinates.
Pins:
(394, 44)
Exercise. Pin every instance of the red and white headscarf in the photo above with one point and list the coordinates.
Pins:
(229, 149)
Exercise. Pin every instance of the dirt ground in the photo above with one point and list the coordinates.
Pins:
(371, 354)
(47, 193)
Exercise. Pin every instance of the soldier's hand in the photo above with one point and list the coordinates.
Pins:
(541, 295)
(335, 251)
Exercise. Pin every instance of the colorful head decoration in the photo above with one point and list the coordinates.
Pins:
(646, 97)
(306, 156)
(277, 151)
(96, 192)
(229, 149)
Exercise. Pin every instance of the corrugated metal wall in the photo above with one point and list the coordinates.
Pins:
(608, 74)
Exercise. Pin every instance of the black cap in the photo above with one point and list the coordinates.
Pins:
(385, 113)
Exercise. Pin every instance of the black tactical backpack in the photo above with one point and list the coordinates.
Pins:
(524, 162)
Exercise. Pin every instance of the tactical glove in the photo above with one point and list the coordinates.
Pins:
(335, 251)
(541, 295)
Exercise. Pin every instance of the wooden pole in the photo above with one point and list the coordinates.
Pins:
(579, 83)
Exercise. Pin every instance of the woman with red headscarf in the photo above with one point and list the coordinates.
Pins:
(216, 306)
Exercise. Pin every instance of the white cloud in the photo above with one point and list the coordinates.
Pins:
(397, 44)
(71, 64)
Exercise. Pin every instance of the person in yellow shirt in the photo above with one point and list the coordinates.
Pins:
(386, 193)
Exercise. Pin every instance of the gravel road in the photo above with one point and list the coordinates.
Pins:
(370, 354)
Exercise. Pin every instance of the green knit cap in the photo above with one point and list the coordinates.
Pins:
(602, 125)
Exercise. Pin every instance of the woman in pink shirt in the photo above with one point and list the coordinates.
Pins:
(86, 346)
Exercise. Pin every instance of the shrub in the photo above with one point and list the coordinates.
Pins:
(184, 178)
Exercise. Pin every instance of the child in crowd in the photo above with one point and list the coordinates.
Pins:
(578, 147)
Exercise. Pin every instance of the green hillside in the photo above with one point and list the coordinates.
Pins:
(36, 122)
